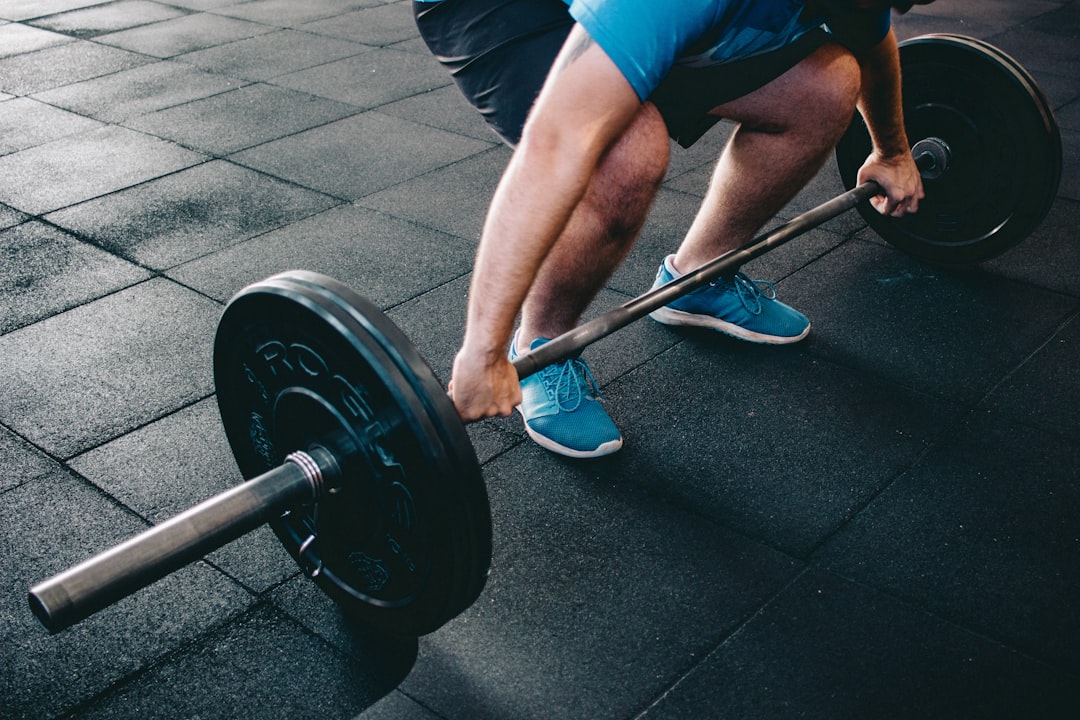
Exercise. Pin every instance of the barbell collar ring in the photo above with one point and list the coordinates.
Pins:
(77, 593)
(933, 157)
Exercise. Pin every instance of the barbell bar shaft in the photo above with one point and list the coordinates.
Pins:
(74, 594)
(572, 342)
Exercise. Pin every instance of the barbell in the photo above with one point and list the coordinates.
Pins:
(354, 454)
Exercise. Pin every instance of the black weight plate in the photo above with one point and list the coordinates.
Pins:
(404, 540)
(1006, 151)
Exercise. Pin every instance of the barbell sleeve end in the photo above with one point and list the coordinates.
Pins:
(80, 591)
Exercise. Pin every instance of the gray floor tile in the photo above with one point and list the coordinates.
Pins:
(276, 53)
(359, 155)
(386, 659)
(25, 123)
(457, 196)
(189, 214)
(183, 34)
(24, 461)
(1049, 256)
(10, 217)
(28, 9)
(61, 65)
(981, 532)
(100, 370)
(382, 24)
(829, 649)
(1070, 183)
(1023, 394)
(85, 166)
(397, 706)
(47, 271)
(16, 39)
(583, 564)
(444, 108)
(768, 440)
(1068, 117)
(287, 13)
(386, 260)
(203, 4)
(878, 310)
(370, 79)
(52, 523)
(998, 12)
(115, 98)
(241, 118)
(228, 676)
(164, 468)
(108, 17)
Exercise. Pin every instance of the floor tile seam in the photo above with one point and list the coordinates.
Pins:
(121, 122)
(92, 33)
(359, 200)
(1055, 332)
(97, 39)
(367, 45)
(203, 638)
(187, 405)
(359, 111)
(435, 712)
(472, 157)
(213, 155)
(363, 49)
(241, 83)
(717, 647)
(297, 27)
(67, 465)
(15, 93)
(972, 630)
(1028, 283)
(54, 461)
(31, 215)
(82, 303)
(934, 443)
(43, 217)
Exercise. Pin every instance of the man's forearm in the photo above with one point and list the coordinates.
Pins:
(880, 99)
(532, 204)
(585, 105)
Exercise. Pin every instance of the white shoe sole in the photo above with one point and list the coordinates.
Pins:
(547, 443)
(669, 316)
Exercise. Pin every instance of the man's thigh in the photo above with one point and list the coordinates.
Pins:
(499, 52)
(689, 98)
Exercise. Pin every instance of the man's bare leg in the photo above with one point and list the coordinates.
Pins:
(601, 231)
(787, 130)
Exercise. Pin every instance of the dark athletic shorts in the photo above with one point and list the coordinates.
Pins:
(499, 53)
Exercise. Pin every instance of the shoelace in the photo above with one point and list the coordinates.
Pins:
(750, 291)
(568, 381)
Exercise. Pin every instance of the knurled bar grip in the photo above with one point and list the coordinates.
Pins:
(574, 341)
(77, 593)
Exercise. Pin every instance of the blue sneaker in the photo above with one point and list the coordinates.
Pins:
(743, 308)
(562, 411)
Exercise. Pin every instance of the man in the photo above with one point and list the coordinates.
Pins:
(592, 150)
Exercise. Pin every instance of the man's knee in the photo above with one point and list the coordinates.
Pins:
(832, 83)
(632, 171)
(642, 151)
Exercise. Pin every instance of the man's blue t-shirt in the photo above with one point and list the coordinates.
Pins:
(645, 38)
